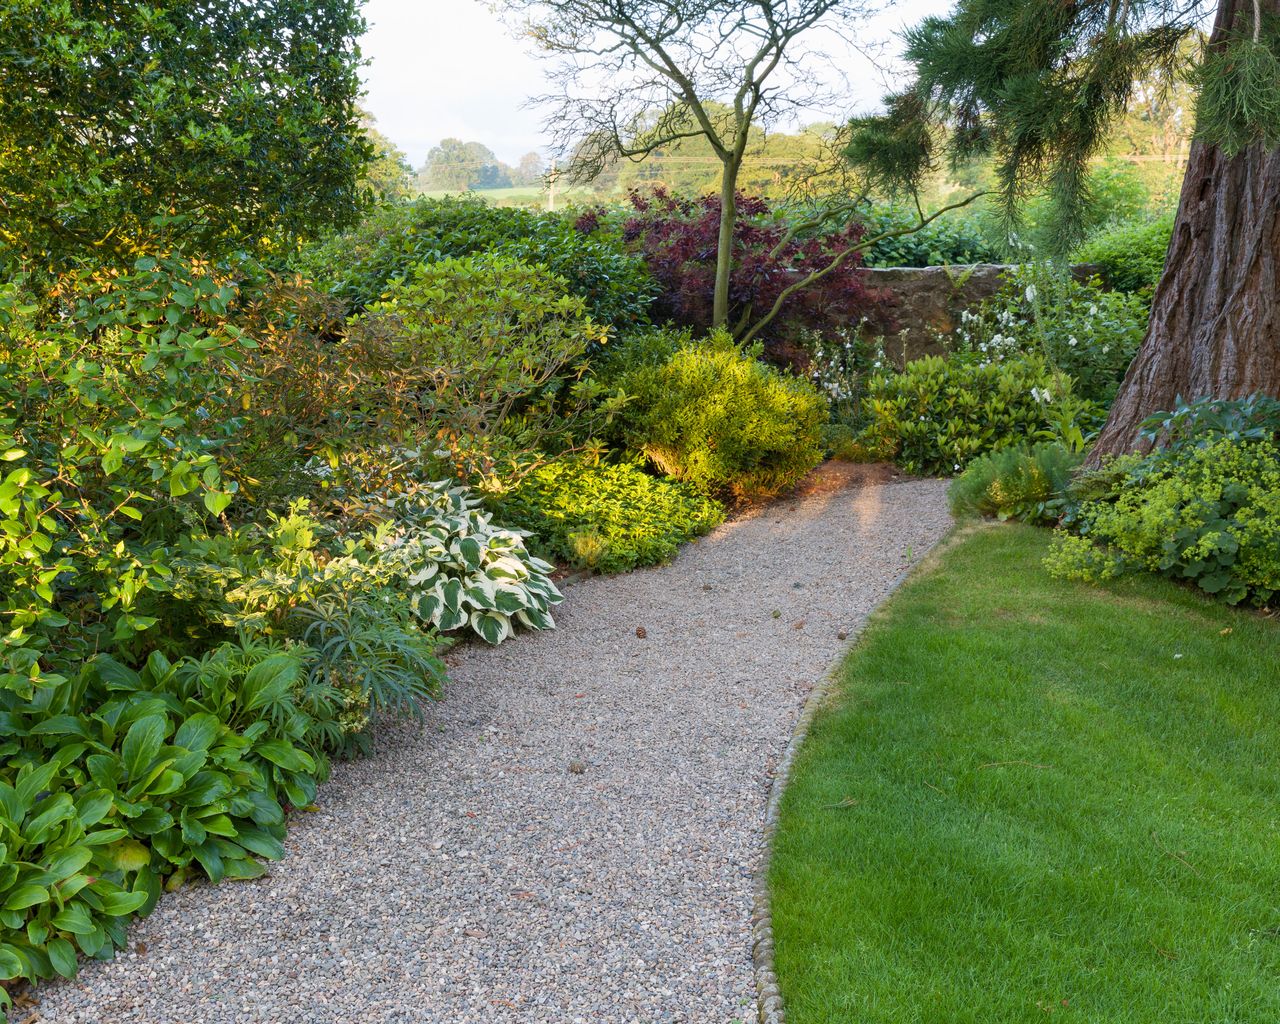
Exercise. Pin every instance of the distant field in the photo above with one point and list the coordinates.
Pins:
(526, 195)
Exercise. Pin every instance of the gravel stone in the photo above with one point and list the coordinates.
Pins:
(460, 874)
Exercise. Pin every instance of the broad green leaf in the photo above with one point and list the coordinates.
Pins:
(75, 919)
(141, 744)
(120, 904)
(197, 732)
(25, 896)
(63, 957)
(286, 755)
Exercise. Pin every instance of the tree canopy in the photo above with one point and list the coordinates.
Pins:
(388, 175)
(217, 122)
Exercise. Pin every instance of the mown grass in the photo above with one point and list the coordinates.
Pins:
(1031, 800)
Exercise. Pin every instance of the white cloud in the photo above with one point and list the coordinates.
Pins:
(444, 68)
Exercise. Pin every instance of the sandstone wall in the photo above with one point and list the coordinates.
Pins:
(930, 300)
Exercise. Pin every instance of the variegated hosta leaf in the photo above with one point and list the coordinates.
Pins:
(451, 619)
(536, 618)
(492, 626)
(424, 574)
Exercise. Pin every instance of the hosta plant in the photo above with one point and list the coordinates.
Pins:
(119, 782)
(464, 572)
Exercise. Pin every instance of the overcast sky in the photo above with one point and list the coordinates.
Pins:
(441, 68)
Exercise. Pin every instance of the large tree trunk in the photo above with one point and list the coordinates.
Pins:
(1215, 317)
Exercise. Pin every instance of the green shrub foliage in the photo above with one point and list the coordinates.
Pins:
(948, 240)
(1082, 330)
(1203, 513)
(1130, 255)
(359, 266)
(493, 350)
(714, 416)
(225, 125)
(1023, 482)
(610, 517)
(940, 414)
(183, 648)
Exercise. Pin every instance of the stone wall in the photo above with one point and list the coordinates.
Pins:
(929, 301)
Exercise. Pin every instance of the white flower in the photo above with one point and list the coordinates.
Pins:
(1042, 395)
(1072, 341)
(1093, 309)
(1106, 349)
(1031, 293)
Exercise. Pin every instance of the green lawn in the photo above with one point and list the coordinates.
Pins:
(1032, 800)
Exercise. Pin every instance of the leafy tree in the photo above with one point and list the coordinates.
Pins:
(389, 175)
(215, 122)
(530, 170)
(1040, 85)
(677, 237)
(457, 166)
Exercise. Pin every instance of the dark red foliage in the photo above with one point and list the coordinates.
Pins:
(677, 237)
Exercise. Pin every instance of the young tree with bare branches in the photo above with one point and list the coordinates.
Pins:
(634, 76)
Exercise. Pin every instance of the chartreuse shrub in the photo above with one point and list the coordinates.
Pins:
(358, 266)
(607, 516)
(1130, 255)
(493, 351)
(1208, 514)
(1025, 482)
(939, 414)
(715, 416)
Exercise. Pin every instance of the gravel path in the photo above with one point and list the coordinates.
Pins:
(573, 835)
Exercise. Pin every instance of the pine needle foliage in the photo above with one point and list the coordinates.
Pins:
(1240, 93)
(1037, 85)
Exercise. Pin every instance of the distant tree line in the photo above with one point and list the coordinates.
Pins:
(457, 166)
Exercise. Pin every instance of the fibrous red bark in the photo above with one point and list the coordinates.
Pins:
(1215, 316)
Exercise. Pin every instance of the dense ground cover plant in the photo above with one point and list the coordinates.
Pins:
(939, 414)
(1203, 508)
(1080, 328)
(1122, 739)
(945, 241)
(1024, 482)
(677, 238)
(1129, 255)
(358, 266)
(493, 350)
(715, 416)
(613, 517)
